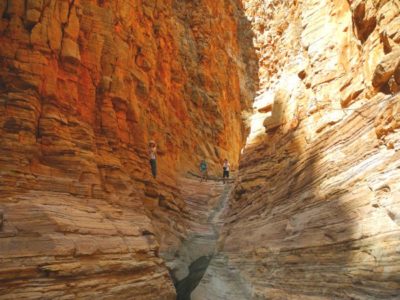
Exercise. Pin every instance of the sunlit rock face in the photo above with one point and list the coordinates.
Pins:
(316, 209)
(84, 86)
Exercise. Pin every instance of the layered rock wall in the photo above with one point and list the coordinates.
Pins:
(316, 209)
(84, 85)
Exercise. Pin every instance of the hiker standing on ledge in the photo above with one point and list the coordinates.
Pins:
(203, 170)
(152, 155)
(226, 167)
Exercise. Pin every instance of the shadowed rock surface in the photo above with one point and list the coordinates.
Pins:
(197, 269)
(315, 211)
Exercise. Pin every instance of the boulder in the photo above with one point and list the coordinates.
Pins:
(386, 68)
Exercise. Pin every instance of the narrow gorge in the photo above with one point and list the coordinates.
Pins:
(301, 96)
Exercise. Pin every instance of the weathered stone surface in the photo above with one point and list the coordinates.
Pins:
(397, 73)
(386, 68)
(316, 206)
(84, 85)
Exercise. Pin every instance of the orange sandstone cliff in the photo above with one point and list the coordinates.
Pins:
(84, 85)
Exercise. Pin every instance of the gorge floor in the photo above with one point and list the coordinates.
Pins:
(205, 202)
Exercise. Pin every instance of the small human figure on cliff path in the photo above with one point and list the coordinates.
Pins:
(203, 170)
(226, 168)
(153, 158)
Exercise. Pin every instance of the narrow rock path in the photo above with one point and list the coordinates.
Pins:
(205, 202)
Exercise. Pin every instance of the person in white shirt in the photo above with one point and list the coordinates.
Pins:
(226, 167)
(153, 160)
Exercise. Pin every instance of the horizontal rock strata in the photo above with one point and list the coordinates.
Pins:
(84, 85)
(316, 208)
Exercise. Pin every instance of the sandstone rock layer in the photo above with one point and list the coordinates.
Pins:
(84, 85)
(316, 208)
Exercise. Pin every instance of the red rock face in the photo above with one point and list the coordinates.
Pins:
(84, 86)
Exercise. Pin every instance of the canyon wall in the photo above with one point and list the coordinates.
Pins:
(84, 85)
(316, 209)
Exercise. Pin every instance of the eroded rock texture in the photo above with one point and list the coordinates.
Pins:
(83, 86)
(316, 210)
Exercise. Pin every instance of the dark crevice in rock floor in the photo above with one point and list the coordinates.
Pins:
(197, 270)
(198, 266)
